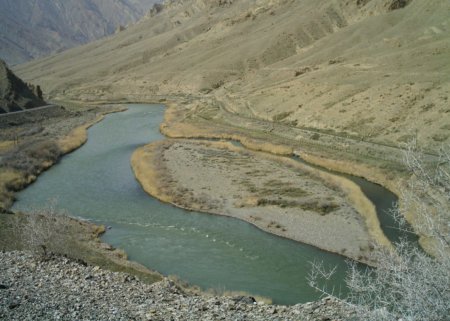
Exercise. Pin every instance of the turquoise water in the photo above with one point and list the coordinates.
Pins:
(96, 183)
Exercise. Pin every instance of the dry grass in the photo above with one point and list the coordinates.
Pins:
(145, 168)
(6, 145)
(278, 198)
(77, 137)
(69, 237)
(9, 182)
(21, 163)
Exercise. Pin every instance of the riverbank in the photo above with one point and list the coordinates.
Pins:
(32, 145)
(209, 251)
(60, 288)
(141, 143)
(208, 118)
(276, 194)
(198, 120)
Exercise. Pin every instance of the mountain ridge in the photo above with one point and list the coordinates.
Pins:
(15, 95)
(374, 69)
(32, 29)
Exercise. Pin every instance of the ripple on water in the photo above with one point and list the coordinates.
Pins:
(96, 183)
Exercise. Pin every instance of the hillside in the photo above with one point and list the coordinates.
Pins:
(374, 70)
(15, 95)
(31, 29)
(67, 290)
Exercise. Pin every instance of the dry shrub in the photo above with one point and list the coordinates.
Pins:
(407, 284)
(45, 231)
(31, 157)
(398, 4)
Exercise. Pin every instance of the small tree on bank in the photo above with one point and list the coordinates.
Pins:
(45, 231)
(407, 284)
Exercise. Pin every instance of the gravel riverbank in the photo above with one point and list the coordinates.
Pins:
(62, 289)
(277, 194)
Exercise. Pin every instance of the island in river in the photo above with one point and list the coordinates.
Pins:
(275, 193)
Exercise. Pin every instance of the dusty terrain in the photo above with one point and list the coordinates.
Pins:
(62, 289)
(343, 83)
(277, 194)
(375, 70)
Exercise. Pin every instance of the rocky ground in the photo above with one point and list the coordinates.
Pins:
(15, 95)
(374, 70)
(62, 289)
(277, 194)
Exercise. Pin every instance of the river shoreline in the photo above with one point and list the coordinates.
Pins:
(264, 147)
(58, 141)
(173, 128)
(204, 120)
(89, 248)
(65, 289)
(297, 209)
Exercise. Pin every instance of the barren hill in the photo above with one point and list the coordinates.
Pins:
(15, 95)
(378, 70)
(31, 29)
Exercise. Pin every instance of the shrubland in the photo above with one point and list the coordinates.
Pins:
(408, 283)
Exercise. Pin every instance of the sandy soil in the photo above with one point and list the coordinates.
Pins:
(347, 80)
(378, 163)
(277, 194)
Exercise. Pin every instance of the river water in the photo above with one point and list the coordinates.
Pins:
(214, 252)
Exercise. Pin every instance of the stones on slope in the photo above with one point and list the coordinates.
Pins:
(244, 299)
(64, 289)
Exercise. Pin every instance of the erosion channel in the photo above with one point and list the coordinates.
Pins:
(214, 252)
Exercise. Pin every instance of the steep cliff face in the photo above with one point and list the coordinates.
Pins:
(15, 95)
(31, 29)
(372, 69)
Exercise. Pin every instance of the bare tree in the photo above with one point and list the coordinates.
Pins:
(408, 284)
(45, 231)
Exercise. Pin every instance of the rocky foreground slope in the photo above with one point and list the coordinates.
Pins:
(61, 289)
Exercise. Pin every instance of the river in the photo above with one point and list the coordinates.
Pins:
(214, 252)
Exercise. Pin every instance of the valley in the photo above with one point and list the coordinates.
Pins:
(247, 141)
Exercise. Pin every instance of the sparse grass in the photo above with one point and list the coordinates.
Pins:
(68, 237)
(281, 190)
(276, 202)
(440, 137)
(21, 164)
(322, 208)
(31, 157)
(281, 116)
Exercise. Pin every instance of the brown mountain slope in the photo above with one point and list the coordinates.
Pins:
(15, 95)
(374, 69)
(31, 29)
